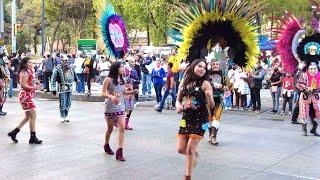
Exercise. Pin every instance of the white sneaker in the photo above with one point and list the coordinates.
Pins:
(229, 108)
(226, 108)
(62, 120)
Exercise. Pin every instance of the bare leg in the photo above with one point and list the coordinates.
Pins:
(109, 130)
(182, 145)
(121, 123)
(32, 122)
(191, 154)
(24, 120)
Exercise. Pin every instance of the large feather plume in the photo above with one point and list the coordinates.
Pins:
(287, 32)
(108, 17)
(230, 23)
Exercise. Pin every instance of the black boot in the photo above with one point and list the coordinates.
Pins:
(314, 128)
(213, 136)
(33, 139)
(210, 129)
(13, 134)
(1, 112)
(304, 129)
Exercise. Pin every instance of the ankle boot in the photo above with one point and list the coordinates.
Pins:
(1, 112)
(314, 129)
(119, 155)
(127, 125)
(187, 177)
(108, 150)
(304, 129)
(13, 134)
(209, 130)
(213, 137)
(33, 139)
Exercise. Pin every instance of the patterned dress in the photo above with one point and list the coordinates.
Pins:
(26, 95)
(195, 113)
(115, 111)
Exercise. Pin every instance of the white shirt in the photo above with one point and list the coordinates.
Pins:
(78, 65)
(104, 68)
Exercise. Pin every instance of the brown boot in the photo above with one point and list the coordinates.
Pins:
(187, 177)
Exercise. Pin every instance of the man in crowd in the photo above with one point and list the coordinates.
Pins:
(47, 67)
(258, 76)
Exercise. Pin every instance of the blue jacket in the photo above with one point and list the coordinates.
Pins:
(158, 75)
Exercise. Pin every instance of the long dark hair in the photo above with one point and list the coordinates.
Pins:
(24, 64)
(114, 73)
(190, 76)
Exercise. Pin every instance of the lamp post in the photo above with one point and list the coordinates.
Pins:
(1, 25)
(43, 39)
(13, 24)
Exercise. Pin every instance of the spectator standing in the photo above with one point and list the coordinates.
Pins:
(276, 83)
(137, 69)
(78, 68)
(258, 76)
(103, 68)
(158, 73)
(48, 66)
(287, 93)
(175, 69)
(146, 75)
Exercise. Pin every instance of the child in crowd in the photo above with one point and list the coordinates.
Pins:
(287, 93)
(227, 98)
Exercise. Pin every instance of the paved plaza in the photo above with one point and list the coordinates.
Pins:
(252, 146)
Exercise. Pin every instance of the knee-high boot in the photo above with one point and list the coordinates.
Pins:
(314, 128)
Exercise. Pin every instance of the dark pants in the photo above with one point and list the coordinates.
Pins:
(136, 96)
(46, 78)
(80, 86)
(87, 77)
(255, 98)
(15, 81)
(285, 101)
(237, 96)
(158, 89)
(295, 113)
(243, 100)
(176, 80)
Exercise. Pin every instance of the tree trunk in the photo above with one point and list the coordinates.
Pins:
(35, 43)
(148, 34)
(58, 42)
(271, 34)
(57, 27)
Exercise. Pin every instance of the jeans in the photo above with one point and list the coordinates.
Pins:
(10, 93)
(275, 98)
(166, 93)
(296, 95)
(146, 84)
(80, 87)
(158, 89)
(64, 103)
(228, 101)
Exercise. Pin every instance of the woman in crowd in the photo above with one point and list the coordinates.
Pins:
(114, 91)
(195, 97)
(28, 87)
(158, 73)
(276, 83)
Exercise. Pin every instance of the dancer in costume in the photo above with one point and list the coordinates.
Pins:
(194, 96)
(4, 82)
(28, 87)
(217, 81)
(114, 90)
(206, 23)
(65, 76)
(297, 50)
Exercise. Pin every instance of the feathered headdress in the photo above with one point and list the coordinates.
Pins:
(114, 32)
(288, 40)
(295, 44)
(227, 22)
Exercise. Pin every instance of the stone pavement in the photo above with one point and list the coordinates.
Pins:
(252, 146)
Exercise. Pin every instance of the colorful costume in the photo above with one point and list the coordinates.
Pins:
(115, 111)
(4, 84)
(195, 114)
(65, 76)
(26, 95)
(205, 24)
(295, 49)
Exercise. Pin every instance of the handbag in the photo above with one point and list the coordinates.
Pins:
(274, 89)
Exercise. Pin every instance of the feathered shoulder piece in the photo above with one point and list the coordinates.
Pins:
(114, 32)
(229, 23)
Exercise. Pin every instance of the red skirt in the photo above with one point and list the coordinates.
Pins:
(26, 99)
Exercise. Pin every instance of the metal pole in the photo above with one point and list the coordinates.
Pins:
(14, 19)
(43, 49)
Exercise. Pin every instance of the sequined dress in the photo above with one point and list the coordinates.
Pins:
(195, 113)
(112, 110)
